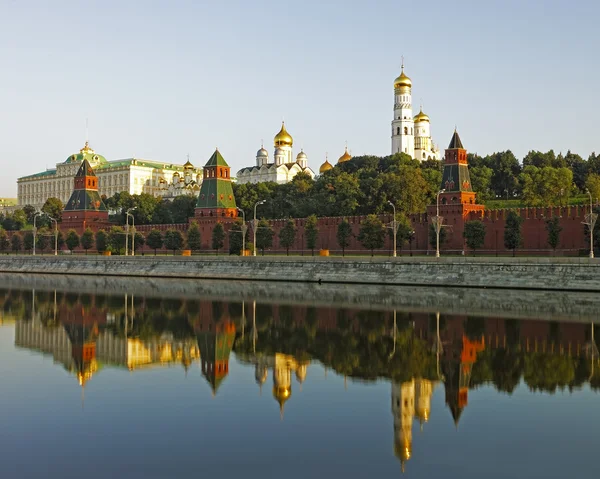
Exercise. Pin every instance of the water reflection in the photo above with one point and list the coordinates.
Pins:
(416, 353)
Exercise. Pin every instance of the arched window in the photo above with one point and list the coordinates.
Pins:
(424, 155)
(406, 130)
(444, 201)
(398, 131)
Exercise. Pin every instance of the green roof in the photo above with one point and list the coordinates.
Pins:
(215, 347)
(216, 160)
(85, 200)
(86, 153)
(456, 178)
(37, 175)
(216, 193)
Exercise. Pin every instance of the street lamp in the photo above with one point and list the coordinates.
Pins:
(438, 225)
(394, 225)
(261, 202)
(591, 222)
(244, 228)
(127, 215)
(55, 235)
(34, 231)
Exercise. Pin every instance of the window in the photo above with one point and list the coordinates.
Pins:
(406, 130)
(398, 131)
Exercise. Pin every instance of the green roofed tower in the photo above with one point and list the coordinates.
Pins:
(216, 194)
(456, 181)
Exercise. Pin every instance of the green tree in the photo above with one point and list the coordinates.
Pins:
(59, 239)
(43, 239)
(183, 208)
(311, 233)
(28, 240)
(4, 242)
(474, 234)
(72, 240)
(404, 231)
(53, 207)
(287, 236)
(101, 240)
(554, 229)
(140, 240)
(16, 242)
(194, 240)
(117, 239)
(264, 236)
(218, 237)
(372, 233)
(155, 240)
(173, 240)
(235, 238)
(512, 232)
(87, 240)
(30, 212)
(344, 235)
(593, 185)
(433, 236)
(18, 220)
(481, 181)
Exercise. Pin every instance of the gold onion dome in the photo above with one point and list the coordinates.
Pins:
(345, 157)
(402, 81)
(421, 117)
(188, 165)
(283, 138)
(325, 167)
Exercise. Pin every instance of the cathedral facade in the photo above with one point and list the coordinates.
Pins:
(132, 175)
(410, 135)
(282, 168)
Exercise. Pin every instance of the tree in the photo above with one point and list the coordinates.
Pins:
(28, 240)
(235, 238)
(433, 236)
(16, 242)
(4, 242)
(372, 233)
(554, 229)
(140, 240)
(593, 185)
(344, 234)
(182, 208)
(218, 237)
(101, 240)
(173, 240)
(287, 236)
(194, 240)
(43, 239)
(311, 232)
(264, 236)
(117, 239)
(512, 232)
(474, 234)
(53, 207)
(30, 212)
(73, 240)
(155, 240)
(87, 240)
(404, 231)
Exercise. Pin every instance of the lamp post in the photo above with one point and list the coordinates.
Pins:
(244, 228)
(34, 231)
(261, 202)
(128, 215)
(55, 235)
(591, 222)
(438, 226)
(395, 228)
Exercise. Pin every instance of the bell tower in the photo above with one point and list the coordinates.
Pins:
(403, 140)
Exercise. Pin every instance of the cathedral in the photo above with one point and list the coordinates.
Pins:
(410, 135)
(283, 167)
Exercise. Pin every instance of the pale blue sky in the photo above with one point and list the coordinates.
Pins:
(159, 79)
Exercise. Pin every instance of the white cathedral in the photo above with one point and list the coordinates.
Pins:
(283, 167)
(410, 135)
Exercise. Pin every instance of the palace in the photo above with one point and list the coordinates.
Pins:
(283, 167)
(132, 175)
(410, 135)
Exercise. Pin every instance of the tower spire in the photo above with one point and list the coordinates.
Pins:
(402, 67)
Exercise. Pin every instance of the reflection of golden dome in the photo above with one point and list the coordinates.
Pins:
(281, 395)
(325, 167)
(422, 414)
(88, 370)
(421, 117)
(403, 452)
(402, 81)
(345, 157)
(283, 138)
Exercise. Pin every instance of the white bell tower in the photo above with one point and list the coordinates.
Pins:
(403, 140)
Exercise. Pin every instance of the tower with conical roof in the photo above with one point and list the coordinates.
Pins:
(403, 123)
(85, 207)
(216, 198)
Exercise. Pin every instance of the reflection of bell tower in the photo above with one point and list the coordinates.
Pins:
(458, 376)
(215, 332)
(403, 410)
(423, 392)
(282, 380)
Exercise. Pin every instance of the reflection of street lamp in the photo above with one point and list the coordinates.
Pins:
(394, 225)
(591, 222)
(244, 228)
(438, 225)
(55, 235)
(261, 202)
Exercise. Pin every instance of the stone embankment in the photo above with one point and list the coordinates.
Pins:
(558, 274)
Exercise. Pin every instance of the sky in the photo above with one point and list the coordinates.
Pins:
(161, 80)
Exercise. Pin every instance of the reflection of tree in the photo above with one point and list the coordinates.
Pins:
(547, 372)
(507, 367)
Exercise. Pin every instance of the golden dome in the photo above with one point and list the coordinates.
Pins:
(283, 138)
(345, 157)
(402, 81)
(188, 165)
(421, 117)
(86, 148)
(325, 167)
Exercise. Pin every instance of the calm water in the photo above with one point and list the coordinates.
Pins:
(150, 387)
